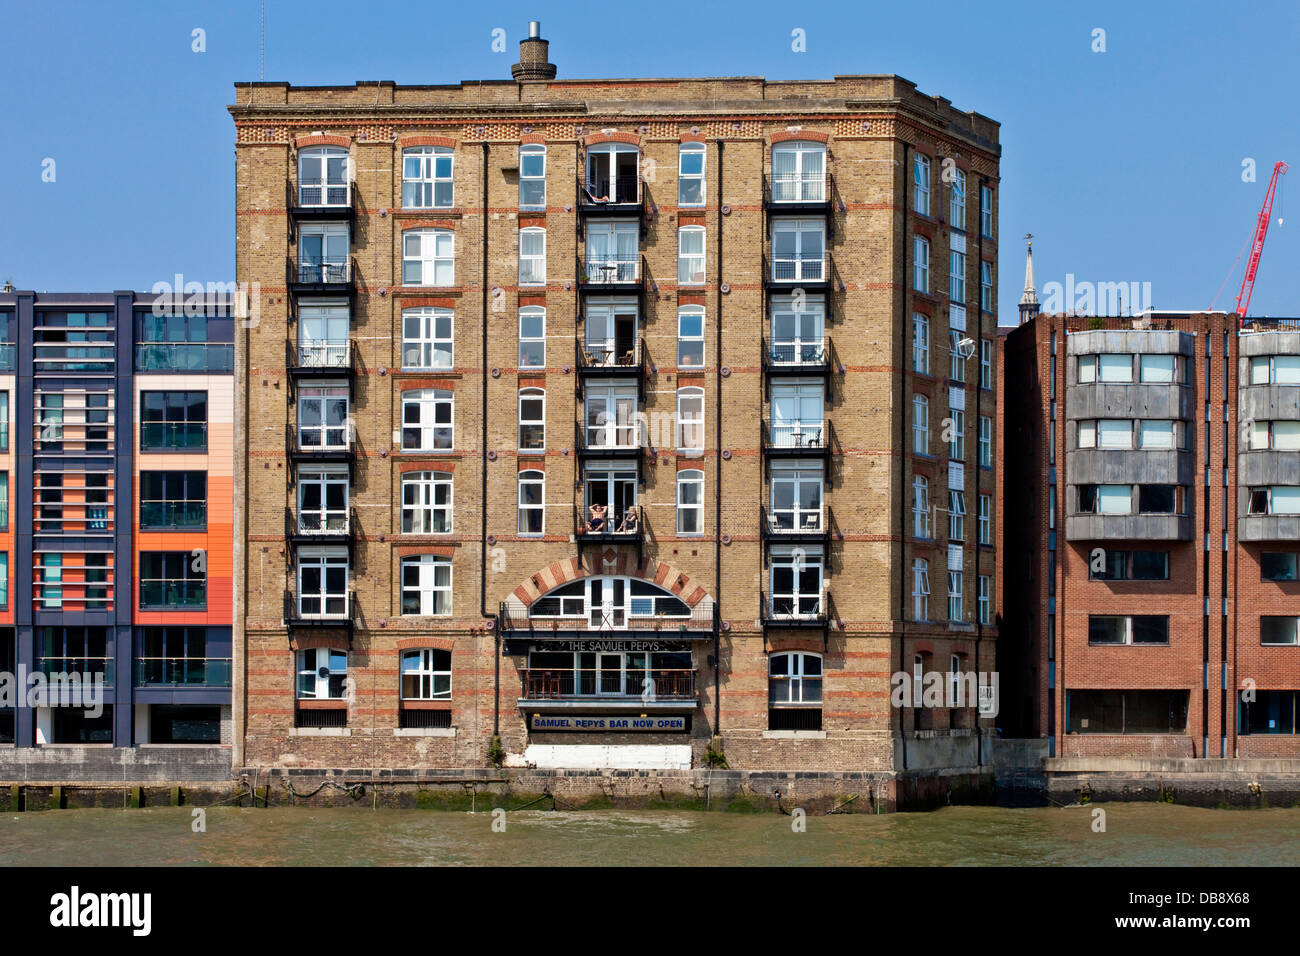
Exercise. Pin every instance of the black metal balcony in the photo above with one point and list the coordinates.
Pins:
(613, 275)
(799, 359)
(802, 197)
(319, 202)
(801, 613)
(612, 442)
(316, 443)
(320, 527)
(625, 529)
(317, 277)
(797, 527)
(619, 197)
(798, 440)
(814, 274)
(320, 360)
(612, 361)
(337, 612)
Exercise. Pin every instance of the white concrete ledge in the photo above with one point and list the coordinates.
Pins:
(424, 732)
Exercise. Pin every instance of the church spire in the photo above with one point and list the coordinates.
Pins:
(1029, 298)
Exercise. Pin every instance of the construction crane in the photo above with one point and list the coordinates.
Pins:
(1257, 246)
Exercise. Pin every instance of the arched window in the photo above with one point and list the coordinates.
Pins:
(426, 674)
(532, 256)
(428, 257)
(690, 336)
(609, 601)
(690, 418)
(532, 420)
(794, 691)
(920, 425)
(323, 176)
(532, 337)
(426, 585)
(690, 501)
(690, 174)
(690, 255)
(612, 173)
(798, 172)
(427, 181)
(532, 177)
(427, 340)
(532, 502)
(957, 200)
(427, 419)
(921, 184)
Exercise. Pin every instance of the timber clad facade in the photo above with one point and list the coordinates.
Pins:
(615, 418)
(1151, 528)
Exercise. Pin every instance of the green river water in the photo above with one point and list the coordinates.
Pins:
(1136, 834)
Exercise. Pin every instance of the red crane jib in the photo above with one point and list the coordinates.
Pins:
(1257, 246)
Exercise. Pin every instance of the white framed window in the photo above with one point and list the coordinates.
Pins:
(986, 519)
(427, 419)
(920, 507)
(323, 177)
(532, 256)
(611, 412)
(532, 502)
(690, 418)
(532, 337)
(690, 255)
(986, 442)
(322, 674)
(426, 674)
(956, 515)
(957, 443)
(957, 200)
(798, 172)
(323, 335)
(426, 502)
(612, 332)
(921, 184)
(795, 498)
(986, 211)
(798, 250)
(609, 498)
(986, 599)
(690, 336)
(954, 595)
(323, 252)
(322, 500)
(798, 415)
(428, 257)
(920, 589)
(427, 177)
(795, 577)
(532, 176)
(690, 501)
(323, 422)
(323, 582)
(798, 330)
(986, 286)
(920, 343)
(1276, 436)
(426, 585)
(957, 276)
(612, 173)
(956, 360)
(986, 363)
(612, 251)
(794, 677)
(532, 420)
(920, 425)
(921, 264)
(690, 174)
(427, 340)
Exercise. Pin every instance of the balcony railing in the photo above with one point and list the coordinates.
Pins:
(790, 524)
(700, 620)
(562, 684)
(185, 357)
(320, 275)
(795, 269)
(8, 356)
(813, 436)
(173, 515)
(323, 610)
(321, 442)
(609, 441)
(173, 436)
(182, 672)
(625, 528)
(319, 525)
(320, 358)
(622, 190)
(613, 274)
(796, 355)
(801, 610)
(90, 668)
(803, 193)
(313, 198)
(169, 594)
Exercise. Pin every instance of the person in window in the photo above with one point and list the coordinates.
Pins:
(628, 525)
(597, 520)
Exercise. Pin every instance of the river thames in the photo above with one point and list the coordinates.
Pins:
(1135, 834)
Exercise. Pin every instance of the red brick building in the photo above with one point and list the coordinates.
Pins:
(1150, 521)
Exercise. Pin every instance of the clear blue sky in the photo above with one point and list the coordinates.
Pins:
(1125, 165)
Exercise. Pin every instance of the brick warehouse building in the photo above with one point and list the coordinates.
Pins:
(617, 418)
(1150, 574)
(117, 487)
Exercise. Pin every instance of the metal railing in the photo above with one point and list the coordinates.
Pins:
(182, 671)
(796, 354)
(314, 194)
(325, 356)
(614, 528)
(171, 593)
(185, 357)
(173, 436)
(335, 609)
(802, 608)
(796, 191)
(321, 271)
(701, 619)
(793, 523)
(173, 514)
(813, 435)
(84, 667)
(321, 439)
(320, 523)
(617, 190)
(611, 437)
(654, 684)
(608, 355)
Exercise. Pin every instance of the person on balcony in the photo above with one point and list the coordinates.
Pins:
(628, 525)
(596, 523)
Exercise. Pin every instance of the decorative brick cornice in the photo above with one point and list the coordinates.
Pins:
(595, 138)
(426, 139)
(322, 139)
(803, 135)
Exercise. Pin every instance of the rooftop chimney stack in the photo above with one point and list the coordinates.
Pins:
(533, 52)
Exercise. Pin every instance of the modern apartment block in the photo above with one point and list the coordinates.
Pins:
(618, 419)
(1150, 494)
(116, 469)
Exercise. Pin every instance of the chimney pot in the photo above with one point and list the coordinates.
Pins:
(533, 56)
